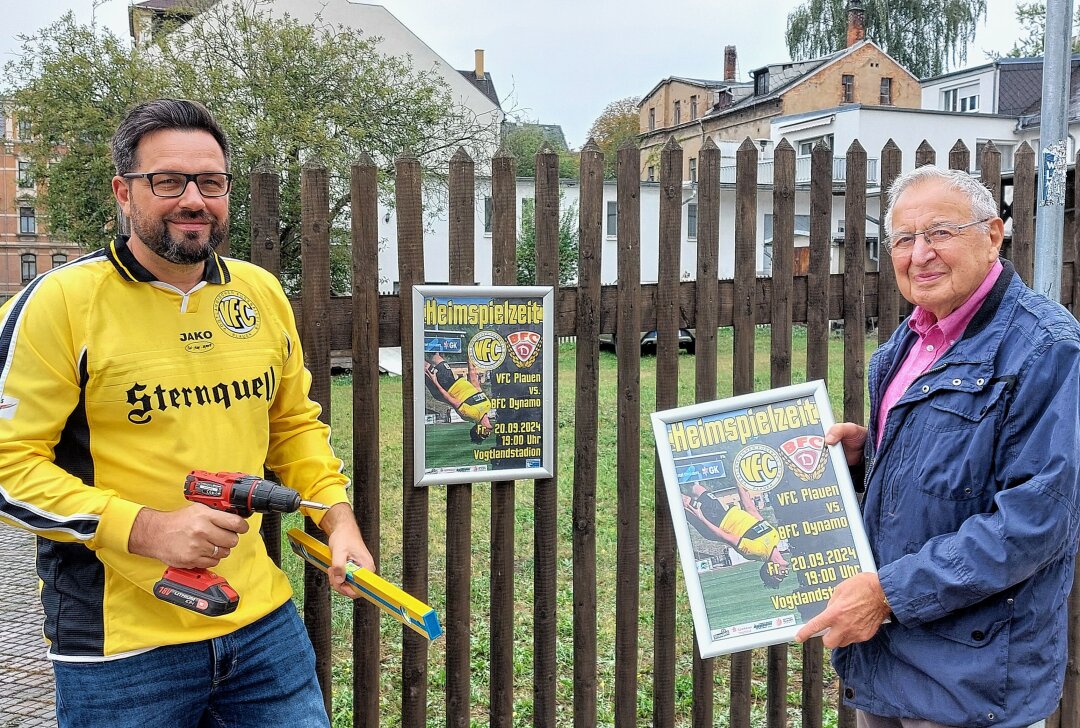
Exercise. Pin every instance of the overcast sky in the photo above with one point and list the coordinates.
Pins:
(562, 61)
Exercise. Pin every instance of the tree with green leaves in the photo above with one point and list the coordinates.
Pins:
(73, 84)
(524, 139)
(1031, 17)
(924, 36)
(284, 91)
(526, 244)
(618, 122)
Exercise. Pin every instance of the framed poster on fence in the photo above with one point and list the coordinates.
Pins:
(765, 516)
(483, 383)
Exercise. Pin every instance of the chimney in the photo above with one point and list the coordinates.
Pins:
(479, 64)
(729, 63)
(856, 22)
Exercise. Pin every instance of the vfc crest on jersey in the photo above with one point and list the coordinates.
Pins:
(236, 315)
(524, 346)
(806, 456)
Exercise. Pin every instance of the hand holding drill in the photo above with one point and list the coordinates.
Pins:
(231, 497)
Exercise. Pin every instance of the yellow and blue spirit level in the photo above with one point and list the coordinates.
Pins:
(402, 606)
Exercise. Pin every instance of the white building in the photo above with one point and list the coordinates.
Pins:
(473, 88)
(1007, 86)
(872, 126)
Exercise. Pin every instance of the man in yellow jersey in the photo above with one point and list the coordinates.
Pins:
(462, 393)
(122, 371)
(742, 526)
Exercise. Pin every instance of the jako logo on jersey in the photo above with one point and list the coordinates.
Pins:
(236, 314)
(196, 335)
(8, 406)
(487, 350)
(805, 456)
(197, 341)
(524, 346)
(758, 468)
(146, 398)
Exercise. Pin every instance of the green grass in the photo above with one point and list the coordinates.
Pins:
(390, 441)
(743, 598)
(448, 444)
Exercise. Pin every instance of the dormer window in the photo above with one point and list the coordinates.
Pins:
(761, 83)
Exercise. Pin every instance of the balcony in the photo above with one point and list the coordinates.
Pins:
(802, 171)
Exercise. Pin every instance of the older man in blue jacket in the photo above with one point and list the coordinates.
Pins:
(972, 499)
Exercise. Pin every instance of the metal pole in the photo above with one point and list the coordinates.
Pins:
(1053, 152)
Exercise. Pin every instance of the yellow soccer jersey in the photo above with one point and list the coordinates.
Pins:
(756, 537)
(474, 403)
(113, 386)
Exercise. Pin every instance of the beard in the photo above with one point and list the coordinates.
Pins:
(184, 249)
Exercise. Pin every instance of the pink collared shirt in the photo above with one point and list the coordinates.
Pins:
(935, 338)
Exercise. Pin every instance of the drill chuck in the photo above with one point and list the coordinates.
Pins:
(268, 497)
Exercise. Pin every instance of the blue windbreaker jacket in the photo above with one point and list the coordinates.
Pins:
(971, 507)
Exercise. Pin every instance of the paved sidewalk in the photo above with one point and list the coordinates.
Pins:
(26, 677)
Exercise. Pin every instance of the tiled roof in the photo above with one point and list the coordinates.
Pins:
(1020, 88)
(486, 85)
(195, 5)
(552, 133)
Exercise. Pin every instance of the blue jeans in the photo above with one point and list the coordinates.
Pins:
(260, 675)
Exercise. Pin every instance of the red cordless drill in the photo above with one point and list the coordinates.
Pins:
(201, 590)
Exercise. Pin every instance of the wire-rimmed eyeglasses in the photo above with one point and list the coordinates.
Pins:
(901, 244)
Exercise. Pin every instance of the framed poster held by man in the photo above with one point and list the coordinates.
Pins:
(765, 515)
(483, 383)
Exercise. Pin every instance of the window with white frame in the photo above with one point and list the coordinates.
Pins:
(651, 174)
(652, 118)
(693, 108)
(693, 169)
(29, 267)
(27, 221)
(612, 218)
(1005, 148)
(962, 98)
(678, 112)
(806, 146)
(691, 221)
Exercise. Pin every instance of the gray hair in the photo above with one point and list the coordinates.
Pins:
(982, 200)
(158, 115)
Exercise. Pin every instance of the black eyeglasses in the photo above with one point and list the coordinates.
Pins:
(173, 184)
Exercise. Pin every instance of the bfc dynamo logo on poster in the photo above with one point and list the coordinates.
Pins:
(805, 456)
(524, 347)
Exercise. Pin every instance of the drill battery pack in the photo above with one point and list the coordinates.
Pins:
(199, 590)
(400, 605)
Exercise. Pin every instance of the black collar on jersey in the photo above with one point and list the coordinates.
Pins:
(131, 269)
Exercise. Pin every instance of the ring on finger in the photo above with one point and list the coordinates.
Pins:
(213, 553)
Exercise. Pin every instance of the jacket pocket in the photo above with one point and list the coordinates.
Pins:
(974, 645)
(975, 627)
(952, 458)
(958, 410)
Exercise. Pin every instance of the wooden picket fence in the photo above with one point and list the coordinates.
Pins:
(585, 311)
